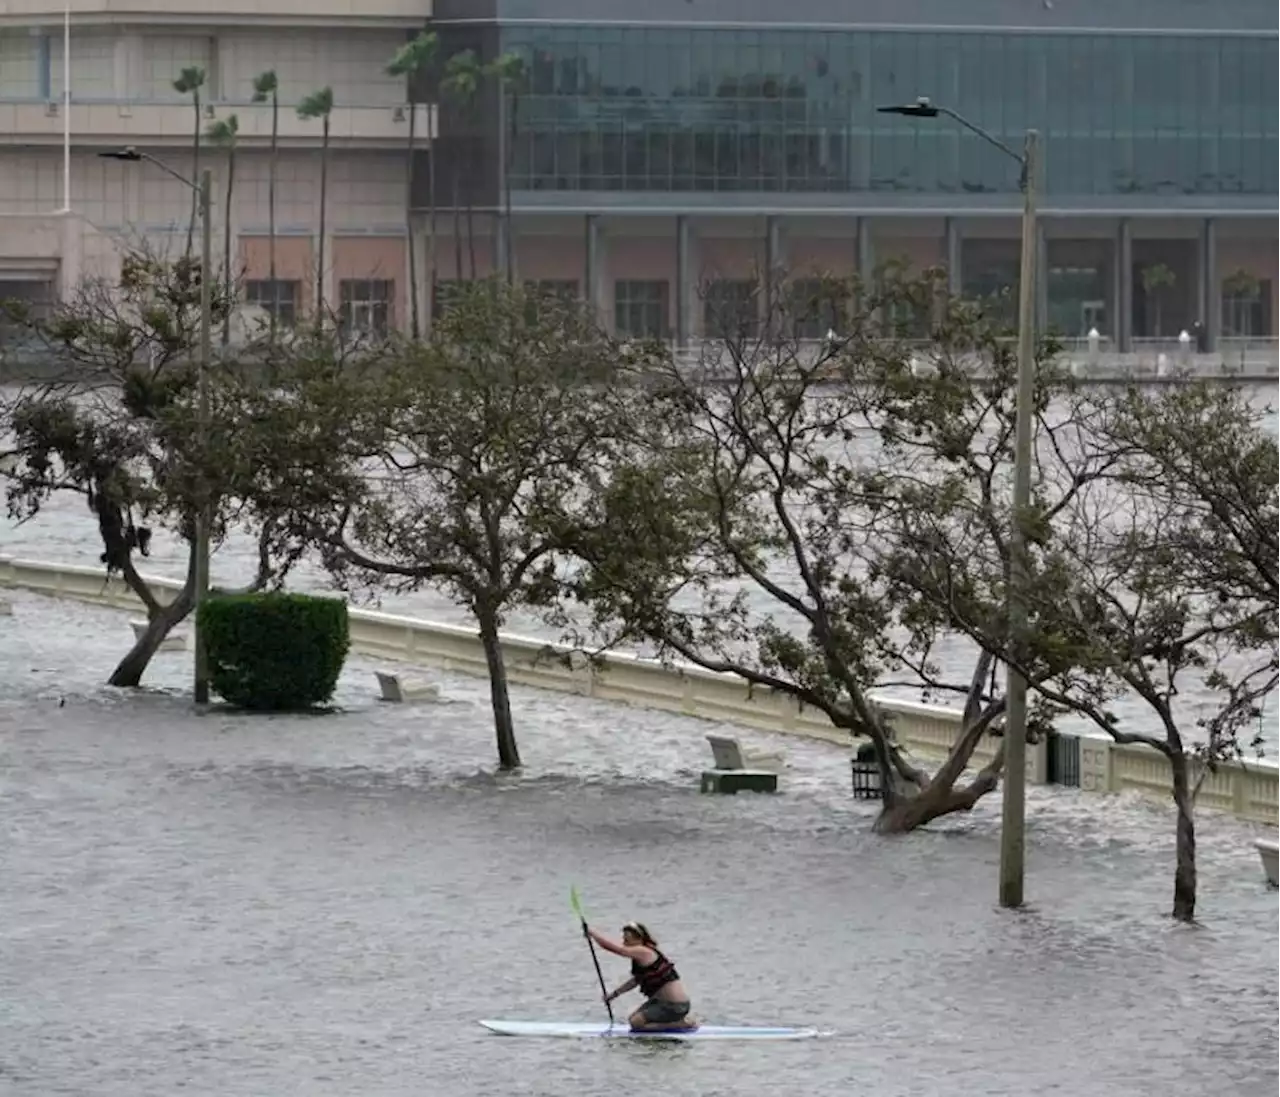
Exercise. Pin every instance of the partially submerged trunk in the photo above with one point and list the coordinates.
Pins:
(508, 754)
(913, 797)
(1184, 873)
(909, 808)
(160, 622)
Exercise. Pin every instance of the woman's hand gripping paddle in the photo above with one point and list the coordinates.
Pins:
(576, 902)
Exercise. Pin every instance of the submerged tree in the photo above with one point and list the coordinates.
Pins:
(478, 449)
(1154, 576)
(749, 538)
(120, 428)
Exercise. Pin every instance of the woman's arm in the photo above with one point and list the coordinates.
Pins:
(636, 952)
(629, 985)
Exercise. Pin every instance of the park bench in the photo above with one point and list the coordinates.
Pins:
(1270, 853)
(396, 691)
(175, 641)
(737, 770)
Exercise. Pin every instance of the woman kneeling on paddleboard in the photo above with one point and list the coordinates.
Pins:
(656, 976)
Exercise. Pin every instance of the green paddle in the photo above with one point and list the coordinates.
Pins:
(576, 903)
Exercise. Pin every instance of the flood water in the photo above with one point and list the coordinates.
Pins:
(326, 905)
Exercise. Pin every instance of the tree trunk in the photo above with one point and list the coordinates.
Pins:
(271, 209)
(508, 754)
(1184, 874)
(129, 671)
(433, 258)
(471, 214)
(414, 327)
(195, 174)
(324, 202)
(909, 812)
(226, 247)
(506, 187)
(457, 233)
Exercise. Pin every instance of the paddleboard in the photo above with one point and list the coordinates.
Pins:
(624, 1031)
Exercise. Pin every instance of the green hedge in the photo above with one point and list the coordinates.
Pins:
(274, 652)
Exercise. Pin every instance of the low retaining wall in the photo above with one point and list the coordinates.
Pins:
(1247, 790)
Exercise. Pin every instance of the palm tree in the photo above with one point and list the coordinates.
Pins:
(319, 104)
(189, 82)
(412, 61)
(462, 76)
(511, 76)
(266, 88)
(223, 134)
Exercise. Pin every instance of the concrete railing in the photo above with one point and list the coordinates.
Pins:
(1248, 790)
(618, 677)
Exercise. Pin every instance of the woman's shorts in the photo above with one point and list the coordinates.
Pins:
(657, 1012)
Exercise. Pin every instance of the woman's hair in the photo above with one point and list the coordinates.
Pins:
(638, 928)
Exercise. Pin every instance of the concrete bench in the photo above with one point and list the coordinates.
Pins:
(737, 770)
(175, 641)
(397, 692)
(1269, 852)
(730, 754)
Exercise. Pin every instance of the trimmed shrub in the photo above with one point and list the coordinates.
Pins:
(274, 652)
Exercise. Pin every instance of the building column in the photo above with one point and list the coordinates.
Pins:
(866, 258)
(1210, 291)
(955, 279)
(44, 67)
(71, 258)
(774, 259)
(1122, 288)
(412, 241)
(329, 279)
(865, 251)
(501, 244)
(683, 317)
(126, 60)
(591, 267)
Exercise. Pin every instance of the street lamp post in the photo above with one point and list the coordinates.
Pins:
(204, 512)
(1014, 805)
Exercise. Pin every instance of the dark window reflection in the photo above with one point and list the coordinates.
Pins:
(669, 109)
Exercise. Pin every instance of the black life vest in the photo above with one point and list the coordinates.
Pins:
(655, 976)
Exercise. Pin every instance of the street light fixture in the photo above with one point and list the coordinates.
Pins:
(204, 515)
(1014, 806)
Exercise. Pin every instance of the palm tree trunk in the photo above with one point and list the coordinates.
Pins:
(414, 326)
(433, 258)
(457, 231)
(226, 247)
(271, 208)
(506, 181)
(324, 195)
(195, 174)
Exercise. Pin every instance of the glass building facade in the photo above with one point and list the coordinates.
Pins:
(704, 109)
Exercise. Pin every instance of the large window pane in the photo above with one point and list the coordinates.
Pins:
(685, 108)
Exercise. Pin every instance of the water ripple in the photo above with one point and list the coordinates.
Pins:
(222, 905)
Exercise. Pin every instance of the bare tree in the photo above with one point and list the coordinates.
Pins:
(749, 540)
(1155, 575)
(478, 450)
(118, 427)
